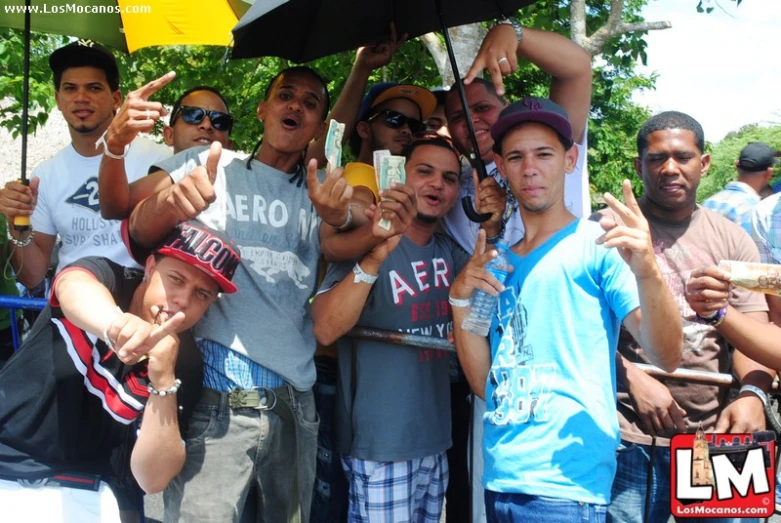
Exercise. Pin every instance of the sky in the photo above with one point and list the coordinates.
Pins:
(721, 68)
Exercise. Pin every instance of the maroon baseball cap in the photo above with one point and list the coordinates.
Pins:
(533, 109)
(197, 245)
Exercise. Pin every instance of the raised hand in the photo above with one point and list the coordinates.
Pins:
(379, 55)
(331, 197)
(707, 290)
(498, 54)
(474, 275)
(195, 192)
(17, 199)
(398, 206)
(137, 114)
(134, 337)
(628, 232)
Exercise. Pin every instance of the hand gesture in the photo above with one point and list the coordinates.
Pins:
(474, 275)
(707, 290)
(628, 231)
(137, 114)
(490, 198)
(162, 357)
(17, 199)
(745, 414)
(134, 337)
(195, 192)
(379, 55)
(498, 54)
(331, 197)
(659, 413)
(398, 206)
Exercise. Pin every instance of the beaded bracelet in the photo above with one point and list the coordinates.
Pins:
(20, 243)
(166, 392)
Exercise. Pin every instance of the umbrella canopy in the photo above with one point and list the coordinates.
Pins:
(129, 26)
(304, 30)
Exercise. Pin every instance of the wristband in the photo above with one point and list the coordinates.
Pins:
(362, 276)
(715, 320)
(755, 390)
(20, 243)
(457, 302)
(348, 221)
(102, 140)
(167, 392)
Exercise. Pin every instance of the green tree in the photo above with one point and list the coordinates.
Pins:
(725, 153)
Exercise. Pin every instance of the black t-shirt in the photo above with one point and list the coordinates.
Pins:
(66, 400)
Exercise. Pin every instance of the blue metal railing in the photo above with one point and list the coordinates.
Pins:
(14, 303)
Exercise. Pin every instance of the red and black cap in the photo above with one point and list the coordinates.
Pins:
(195, 244)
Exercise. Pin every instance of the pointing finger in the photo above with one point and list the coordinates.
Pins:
(169, 326)
(311, 175)
(155, 85)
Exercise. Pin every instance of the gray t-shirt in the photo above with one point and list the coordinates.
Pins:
(273, 222)
(401, 408)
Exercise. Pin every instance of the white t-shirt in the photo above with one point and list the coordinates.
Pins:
(68, 202)
(576, 197)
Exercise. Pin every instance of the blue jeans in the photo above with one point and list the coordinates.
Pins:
(230, 450)
(630, 487)
(511, 508)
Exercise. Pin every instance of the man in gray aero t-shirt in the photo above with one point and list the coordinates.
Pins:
(255, 425)
(393, 401)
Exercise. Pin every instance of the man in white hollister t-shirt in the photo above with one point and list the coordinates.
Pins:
(62, 198)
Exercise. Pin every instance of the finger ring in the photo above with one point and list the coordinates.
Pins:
(502, 59)
(148, 114)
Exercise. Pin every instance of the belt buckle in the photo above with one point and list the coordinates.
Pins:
(237, 398)
(265, 393)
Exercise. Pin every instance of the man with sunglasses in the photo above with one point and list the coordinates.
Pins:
(62, 197)
(199, 117)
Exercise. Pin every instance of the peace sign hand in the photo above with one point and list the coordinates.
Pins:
(137, 114)
(135, 337)
(627, 230)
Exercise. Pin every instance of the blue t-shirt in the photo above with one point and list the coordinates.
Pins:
(550, 423)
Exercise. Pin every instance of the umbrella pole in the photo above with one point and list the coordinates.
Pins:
(474, 157)
(21, 223)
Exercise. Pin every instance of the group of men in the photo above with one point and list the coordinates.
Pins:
(640, 286)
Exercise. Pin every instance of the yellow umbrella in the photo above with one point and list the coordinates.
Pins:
(129, 25)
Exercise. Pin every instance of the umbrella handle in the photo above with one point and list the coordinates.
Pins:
(471, 213)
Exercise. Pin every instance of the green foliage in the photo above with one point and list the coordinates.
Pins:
(41, 93)
(725, 153)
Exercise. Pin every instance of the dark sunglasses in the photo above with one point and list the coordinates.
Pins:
(195, 115)
(396, 120)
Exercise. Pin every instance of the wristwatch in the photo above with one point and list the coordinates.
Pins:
(515, 25)
(362, 276)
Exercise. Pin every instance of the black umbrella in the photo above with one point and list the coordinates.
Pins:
(304, 30)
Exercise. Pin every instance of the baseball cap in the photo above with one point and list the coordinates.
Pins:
(382, 92)
(533, 109)
(197, 245)
(757, 156)
(440, 93)
(82, 53)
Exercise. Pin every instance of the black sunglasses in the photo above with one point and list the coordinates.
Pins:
(396, 120)
(195, 115)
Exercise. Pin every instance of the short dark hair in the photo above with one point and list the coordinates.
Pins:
(669, 120)
(430, 138)
(306, 70)
(489, 86)
(195, 89)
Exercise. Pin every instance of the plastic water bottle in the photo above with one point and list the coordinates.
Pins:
(483, 306)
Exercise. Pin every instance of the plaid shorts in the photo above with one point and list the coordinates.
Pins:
(396, 491)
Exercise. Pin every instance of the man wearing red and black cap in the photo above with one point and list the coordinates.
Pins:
(102, 352)
(62, 198)
(544, 437)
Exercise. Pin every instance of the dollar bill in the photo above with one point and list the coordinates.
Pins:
(333, 144)
(757, 277)
(377, 158)
(391, 170)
